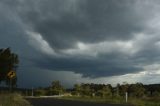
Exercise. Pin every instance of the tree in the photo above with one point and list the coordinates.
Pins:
(106, 91)
(117, 90)
(86, 90)
(78, 89)
(8, 62)
(123, 88)
(56, 88)
(137, 90)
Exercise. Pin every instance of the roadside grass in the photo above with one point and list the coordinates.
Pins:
(94, 99)
(154, 101)
(13, 99)
(145, 101)
(131, 101)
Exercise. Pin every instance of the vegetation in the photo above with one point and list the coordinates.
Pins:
(138, 94)
(121, 100)
(8, 65)
(55, 89)
(13, 100)
(8, 62)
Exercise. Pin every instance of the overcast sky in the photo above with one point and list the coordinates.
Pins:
(90, 41)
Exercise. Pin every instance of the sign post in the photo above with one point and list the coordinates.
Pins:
(11, 75)
(126, 97)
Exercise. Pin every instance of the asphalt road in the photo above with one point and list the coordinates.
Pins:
(57, 102)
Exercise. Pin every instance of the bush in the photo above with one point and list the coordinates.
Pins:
(40, 92)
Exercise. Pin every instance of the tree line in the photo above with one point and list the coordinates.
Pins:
(137, 90)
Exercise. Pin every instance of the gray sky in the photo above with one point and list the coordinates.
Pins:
(74, 41)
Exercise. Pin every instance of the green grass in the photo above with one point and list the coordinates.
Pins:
(95, 99)
(152, 101)
(145, 101)
(131, 101)
(13, 100)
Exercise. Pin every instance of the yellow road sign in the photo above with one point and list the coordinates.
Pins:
(11, 74)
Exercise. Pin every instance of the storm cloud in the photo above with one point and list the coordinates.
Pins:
(93, 38)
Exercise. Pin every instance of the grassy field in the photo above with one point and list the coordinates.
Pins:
(13, 100)
(131, 101)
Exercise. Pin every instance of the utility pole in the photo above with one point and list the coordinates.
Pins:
(32, 92)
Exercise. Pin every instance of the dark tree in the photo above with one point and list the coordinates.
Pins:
(137, 90)
(56, 88)
(8, 62)
(78, 89)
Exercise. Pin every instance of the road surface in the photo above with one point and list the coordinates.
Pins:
(58, 102)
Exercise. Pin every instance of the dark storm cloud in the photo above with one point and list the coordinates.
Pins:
(63, 23)
(60, 24)
(107, 65)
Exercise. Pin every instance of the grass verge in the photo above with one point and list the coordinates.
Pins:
(131, 101)
(13, 100)
(95, 99)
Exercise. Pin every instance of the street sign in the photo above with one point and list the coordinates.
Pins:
(11, 74)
